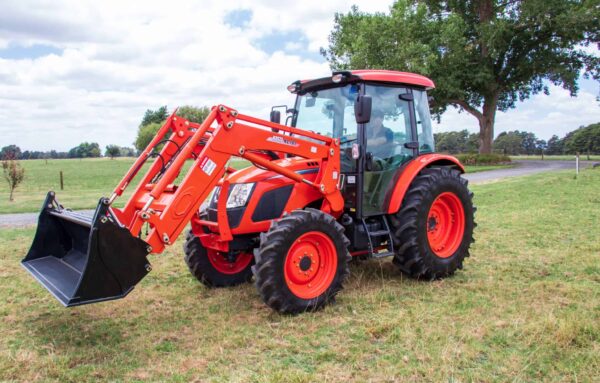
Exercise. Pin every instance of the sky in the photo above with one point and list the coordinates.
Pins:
(74, 71)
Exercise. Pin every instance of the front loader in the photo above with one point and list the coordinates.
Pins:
(351, 173)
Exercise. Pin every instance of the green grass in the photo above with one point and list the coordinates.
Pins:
(485, 168)
(85, 182)
(526, 308)
(566, 157)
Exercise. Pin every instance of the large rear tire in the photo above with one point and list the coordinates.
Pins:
(212, 268)
(433, 229)
(302, 262)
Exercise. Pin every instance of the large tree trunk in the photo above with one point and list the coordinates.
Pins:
(486, 124)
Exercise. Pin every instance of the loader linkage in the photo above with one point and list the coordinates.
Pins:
(85, 261)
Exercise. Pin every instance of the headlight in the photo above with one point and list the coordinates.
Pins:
(239, 195)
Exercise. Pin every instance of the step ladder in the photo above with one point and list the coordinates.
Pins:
(385, 232)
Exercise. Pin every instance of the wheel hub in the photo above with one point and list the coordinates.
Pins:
(431, 223)
(226, 265)
(310, 265)
(445, 224)
(305, 263)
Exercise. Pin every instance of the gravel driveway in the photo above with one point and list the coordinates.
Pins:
(523, 168)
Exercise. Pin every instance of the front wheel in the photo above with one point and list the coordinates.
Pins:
(215, 269)
(433, 229)
(302, 262)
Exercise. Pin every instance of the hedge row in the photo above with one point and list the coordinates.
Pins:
(482, 159)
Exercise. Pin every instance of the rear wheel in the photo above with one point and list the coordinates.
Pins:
(434, 227)
(302, 262)
(213, 268)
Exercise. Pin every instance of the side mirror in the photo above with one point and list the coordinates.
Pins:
(362, 109)
(275, 116)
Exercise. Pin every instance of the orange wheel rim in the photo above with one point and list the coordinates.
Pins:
(445, 224)
(225, 266)
(310, 265)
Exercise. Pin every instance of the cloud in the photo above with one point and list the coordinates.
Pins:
(107, 62)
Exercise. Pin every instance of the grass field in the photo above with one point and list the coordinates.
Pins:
(566, 157)
(526, 308)
(85, 182)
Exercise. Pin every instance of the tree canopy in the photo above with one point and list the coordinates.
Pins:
(10, 152)
(483, 55)
(153, 120)
(85, 149)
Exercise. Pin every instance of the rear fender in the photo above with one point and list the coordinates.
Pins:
(412, 169)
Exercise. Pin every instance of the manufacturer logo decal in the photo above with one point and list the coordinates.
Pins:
(283, 141)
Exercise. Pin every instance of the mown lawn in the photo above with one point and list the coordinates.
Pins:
(86, 181)
(526, 308)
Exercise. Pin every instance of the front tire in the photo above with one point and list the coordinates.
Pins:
(433, 229)
(302, 262)
(212, 268)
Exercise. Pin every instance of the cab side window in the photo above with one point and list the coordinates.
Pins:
(423, 117)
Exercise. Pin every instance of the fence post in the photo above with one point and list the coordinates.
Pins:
(577, 164)
(61, 181)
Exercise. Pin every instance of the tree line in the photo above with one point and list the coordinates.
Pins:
(151, 122)
(584, 140)
(83, 150)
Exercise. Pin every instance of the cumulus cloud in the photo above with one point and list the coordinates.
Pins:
(100, 65)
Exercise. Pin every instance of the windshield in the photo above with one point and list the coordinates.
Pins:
(329, 112)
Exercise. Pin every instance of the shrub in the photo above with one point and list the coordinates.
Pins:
(482, 159)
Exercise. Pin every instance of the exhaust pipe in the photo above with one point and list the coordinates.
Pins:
(82, 259)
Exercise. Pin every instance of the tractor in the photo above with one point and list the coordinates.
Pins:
(350, 173)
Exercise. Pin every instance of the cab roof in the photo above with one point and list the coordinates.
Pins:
(371, 75)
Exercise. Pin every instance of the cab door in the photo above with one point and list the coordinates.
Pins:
(389, 141)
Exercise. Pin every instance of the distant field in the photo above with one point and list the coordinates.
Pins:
(526, 308)
(569, 157)
(85, 182)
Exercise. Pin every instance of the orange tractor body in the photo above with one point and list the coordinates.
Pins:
(331, 182)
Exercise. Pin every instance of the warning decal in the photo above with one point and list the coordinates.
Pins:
(208, 166)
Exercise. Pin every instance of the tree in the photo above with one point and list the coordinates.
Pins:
(85, 149)
(145, 135)
(484, 55)
(10, 152)
(584, 140)
(528, 142)
(112, 151)
(451, 142)
(555, 145)
(126, 151)
(509, 143)
(157, 116)
(152, 122)
(193, 113)
(13, 174)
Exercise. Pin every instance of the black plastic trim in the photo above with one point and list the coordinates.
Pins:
(272, 203)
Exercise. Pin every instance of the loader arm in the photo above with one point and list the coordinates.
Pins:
(167, 207)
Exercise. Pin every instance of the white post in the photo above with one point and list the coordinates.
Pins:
(577, 164)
